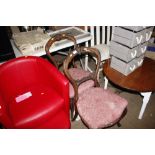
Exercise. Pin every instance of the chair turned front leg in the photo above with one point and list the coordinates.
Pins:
(105, 82)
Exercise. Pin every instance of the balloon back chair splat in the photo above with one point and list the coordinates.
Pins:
(77, 72)
(52, 42)
(33, 94)
(97, 107)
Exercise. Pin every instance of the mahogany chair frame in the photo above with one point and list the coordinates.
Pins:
(76, 83)
(51, 41)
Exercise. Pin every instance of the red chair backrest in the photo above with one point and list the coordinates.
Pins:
(19, 73)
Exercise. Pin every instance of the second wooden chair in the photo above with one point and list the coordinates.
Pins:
(76, 72)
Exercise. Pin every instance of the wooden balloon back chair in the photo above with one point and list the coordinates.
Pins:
(97, 107)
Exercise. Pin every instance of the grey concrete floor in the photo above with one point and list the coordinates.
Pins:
(130, 121)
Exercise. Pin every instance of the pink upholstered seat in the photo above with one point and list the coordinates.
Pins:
(100, 108)
(78, 74)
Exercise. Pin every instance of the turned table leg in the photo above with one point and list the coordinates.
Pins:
(146, 97)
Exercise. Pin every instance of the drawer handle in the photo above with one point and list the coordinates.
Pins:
(140, 62)
(132, 68)
(148, 36)
(133, 55)
(139, 39)
(143, 49)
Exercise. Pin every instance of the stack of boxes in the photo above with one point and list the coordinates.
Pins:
(128, 46)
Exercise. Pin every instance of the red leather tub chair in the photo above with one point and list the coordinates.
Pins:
(33, 94)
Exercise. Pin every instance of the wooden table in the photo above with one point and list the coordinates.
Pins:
(142, 80)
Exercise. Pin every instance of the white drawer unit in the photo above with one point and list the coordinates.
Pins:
(139, 61)
(123, 67)
(127, 37)
(123, 52)
(131, 38)
(128, 46)
(141, 49)
(135, 28)
(148, 33)
(126, 68)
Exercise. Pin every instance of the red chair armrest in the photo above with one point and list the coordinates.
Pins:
(58, 81)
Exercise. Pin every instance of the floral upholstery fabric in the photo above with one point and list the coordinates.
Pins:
(78, 74)
(100, 108)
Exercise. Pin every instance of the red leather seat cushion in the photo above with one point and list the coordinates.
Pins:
(60, 121)
(43, 103)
